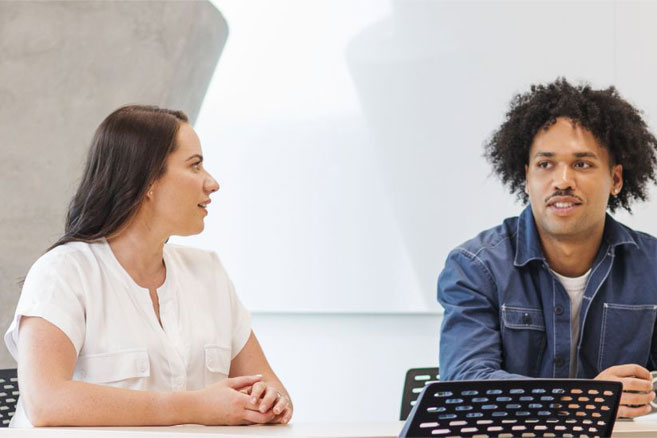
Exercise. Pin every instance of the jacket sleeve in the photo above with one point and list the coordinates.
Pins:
(470, 340)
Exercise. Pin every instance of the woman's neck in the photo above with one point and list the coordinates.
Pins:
(140, 251)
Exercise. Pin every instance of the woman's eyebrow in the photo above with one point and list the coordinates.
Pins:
(199, 156)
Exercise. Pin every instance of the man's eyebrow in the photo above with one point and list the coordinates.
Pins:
(575, 154)
(585, 155)
(199, 156)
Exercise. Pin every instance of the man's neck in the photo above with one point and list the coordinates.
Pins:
(571, 257)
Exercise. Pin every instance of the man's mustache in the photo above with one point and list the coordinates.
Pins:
(567, 192)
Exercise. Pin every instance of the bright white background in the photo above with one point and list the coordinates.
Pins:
(347, 138)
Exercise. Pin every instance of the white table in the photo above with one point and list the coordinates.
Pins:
(298, 430)
(645, 428)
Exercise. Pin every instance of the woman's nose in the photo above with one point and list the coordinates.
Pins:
(211, 185)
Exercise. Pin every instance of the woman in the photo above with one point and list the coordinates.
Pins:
(116, 327)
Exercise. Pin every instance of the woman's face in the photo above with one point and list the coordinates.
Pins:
(180, 197)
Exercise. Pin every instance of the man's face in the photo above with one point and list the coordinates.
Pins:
(569, 179)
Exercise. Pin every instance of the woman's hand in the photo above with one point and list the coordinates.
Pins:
(269, 394)
(225, 403)
(267, 398)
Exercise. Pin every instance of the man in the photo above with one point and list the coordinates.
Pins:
(563, 290)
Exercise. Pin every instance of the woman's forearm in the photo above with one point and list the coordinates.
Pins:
(74, 403)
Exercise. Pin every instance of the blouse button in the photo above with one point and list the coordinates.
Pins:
(143, 366)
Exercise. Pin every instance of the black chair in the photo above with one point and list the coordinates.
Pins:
(416, 380)
(514, 408)
(8, 395)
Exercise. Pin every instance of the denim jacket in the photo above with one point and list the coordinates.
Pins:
(507, 315)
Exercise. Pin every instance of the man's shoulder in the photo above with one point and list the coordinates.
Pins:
(645, 242)
(497, 242)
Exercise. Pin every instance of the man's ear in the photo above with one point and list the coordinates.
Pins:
(526, 168)
(617, 179)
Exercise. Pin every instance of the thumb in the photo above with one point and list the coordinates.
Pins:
(240, 382)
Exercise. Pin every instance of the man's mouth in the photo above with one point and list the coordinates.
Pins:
(563, 205)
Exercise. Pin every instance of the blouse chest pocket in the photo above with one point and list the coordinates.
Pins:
(524, 339)
(217, 363)
(626, 334)
(127, 369)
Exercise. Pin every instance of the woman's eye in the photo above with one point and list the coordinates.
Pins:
(197, 166)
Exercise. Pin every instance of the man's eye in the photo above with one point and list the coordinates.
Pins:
(583, 165)
(543, 164)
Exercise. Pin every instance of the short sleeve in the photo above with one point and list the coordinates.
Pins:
(52, 291)
(241, 322)
(240, 316)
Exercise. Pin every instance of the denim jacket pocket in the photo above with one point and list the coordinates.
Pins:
(626, 334)
(524, 339)
(523, 318)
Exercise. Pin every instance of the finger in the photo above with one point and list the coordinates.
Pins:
(636, 398)
(246, 390)
(240, 382)
(634, 384)
(630, 370)
(280, 405)
(257, 392)
(258, 417)
(267, 402)
(280, 418)
(287, 415)
(626, 411)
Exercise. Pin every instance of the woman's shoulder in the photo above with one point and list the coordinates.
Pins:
(70, 254)
(193, 257)
(67, 264)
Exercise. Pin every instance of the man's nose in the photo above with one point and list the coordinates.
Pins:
(564, 178)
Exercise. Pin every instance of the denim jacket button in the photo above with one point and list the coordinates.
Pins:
(558, 309)
(558, 361)
(526, 319)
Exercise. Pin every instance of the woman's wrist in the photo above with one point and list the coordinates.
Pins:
(180, 407)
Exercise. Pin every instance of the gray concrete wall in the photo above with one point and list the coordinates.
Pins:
(64, 66)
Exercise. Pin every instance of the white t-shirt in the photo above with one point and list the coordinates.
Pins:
(575, 287)
(83, 289)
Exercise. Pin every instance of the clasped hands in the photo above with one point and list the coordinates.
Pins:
(266, 398)
(637, 388)
(244, 400)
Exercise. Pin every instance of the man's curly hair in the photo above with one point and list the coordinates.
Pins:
(617, 125)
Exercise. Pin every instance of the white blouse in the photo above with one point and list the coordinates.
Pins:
(83, 290)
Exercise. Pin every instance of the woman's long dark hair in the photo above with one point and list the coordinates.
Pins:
(128, 153)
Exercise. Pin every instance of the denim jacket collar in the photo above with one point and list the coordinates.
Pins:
(528, 243)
